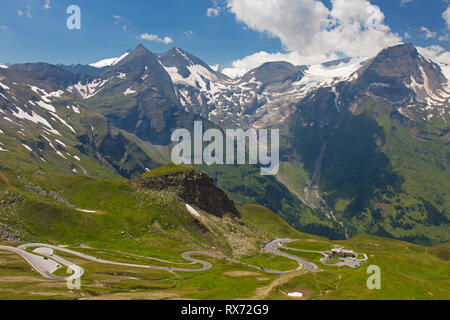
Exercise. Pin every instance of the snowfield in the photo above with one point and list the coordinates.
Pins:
(109, 62)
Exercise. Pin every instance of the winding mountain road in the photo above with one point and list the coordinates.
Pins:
(274, 245)
(46, 262)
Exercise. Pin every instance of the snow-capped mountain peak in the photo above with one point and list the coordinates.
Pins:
(109, 62)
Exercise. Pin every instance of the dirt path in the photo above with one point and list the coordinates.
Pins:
(4, 178)
(263, 293)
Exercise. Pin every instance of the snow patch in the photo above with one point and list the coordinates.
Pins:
(60, 154)
(27, 147)
(61, 143)
(192, 211)
(295, 294)
(35, 118)
(128, 92)
(76, 110)
(89, 90)
(46, 106)
(4, 86)
(86, 211)
(109, 62)
(63, 122)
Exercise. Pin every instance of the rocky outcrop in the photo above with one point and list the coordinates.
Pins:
(194, 188)
(6, 234)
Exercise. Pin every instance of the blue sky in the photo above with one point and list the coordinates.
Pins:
(219, 32)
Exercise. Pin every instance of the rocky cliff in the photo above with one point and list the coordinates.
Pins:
(194, 187)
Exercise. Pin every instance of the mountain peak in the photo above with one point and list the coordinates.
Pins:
(182, 60)
(177, 50)
(401, 75)
(139, 57)
(400, 51)
(140, 50)
(275, 72)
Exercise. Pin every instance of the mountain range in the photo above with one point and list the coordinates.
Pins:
(364, 148)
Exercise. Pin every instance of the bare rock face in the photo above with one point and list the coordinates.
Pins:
(6, 234)
(401, 75)
(195, 188)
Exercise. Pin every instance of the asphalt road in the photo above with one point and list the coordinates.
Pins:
(44, 266)
(46, 262)
(276, 244)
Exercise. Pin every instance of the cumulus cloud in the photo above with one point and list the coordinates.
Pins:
(154, 37)
(308, 29)
(352, 27)
(435, 53)
(212, 12)
(215, 10)
(444, 37)
(428, 34)
(47, 4)
(446, 16)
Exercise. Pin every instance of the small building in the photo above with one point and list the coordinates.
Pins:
(343, 253)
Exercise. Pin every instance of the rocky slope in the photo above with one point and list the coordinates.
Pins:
(194, 187)
(43, 125)
(376, 148)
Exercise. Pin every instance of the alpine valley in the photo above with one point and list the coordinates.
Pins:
(85, 164)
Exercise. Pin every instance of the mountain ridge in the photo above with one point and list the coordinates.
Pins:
(349, 126)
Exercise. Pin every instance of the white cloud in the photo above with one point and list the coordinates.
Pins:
(404, 2)
(352, 27)
(189, 33)
(154, 37)
(435, 53)
(446, 16)
(47, 4)
(428, 34)
(212, 12)
(120, 21)
(311, 32)
(26, 12)
(215, 10)
(444, 37)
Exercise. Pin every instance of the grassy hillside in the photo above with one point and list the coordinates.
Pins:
(408, 272)
(382, 173)
(268, 222)
(131, 224)
(245, 185)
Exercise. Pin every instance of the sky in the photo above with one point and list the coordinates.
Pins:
(238, 34)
